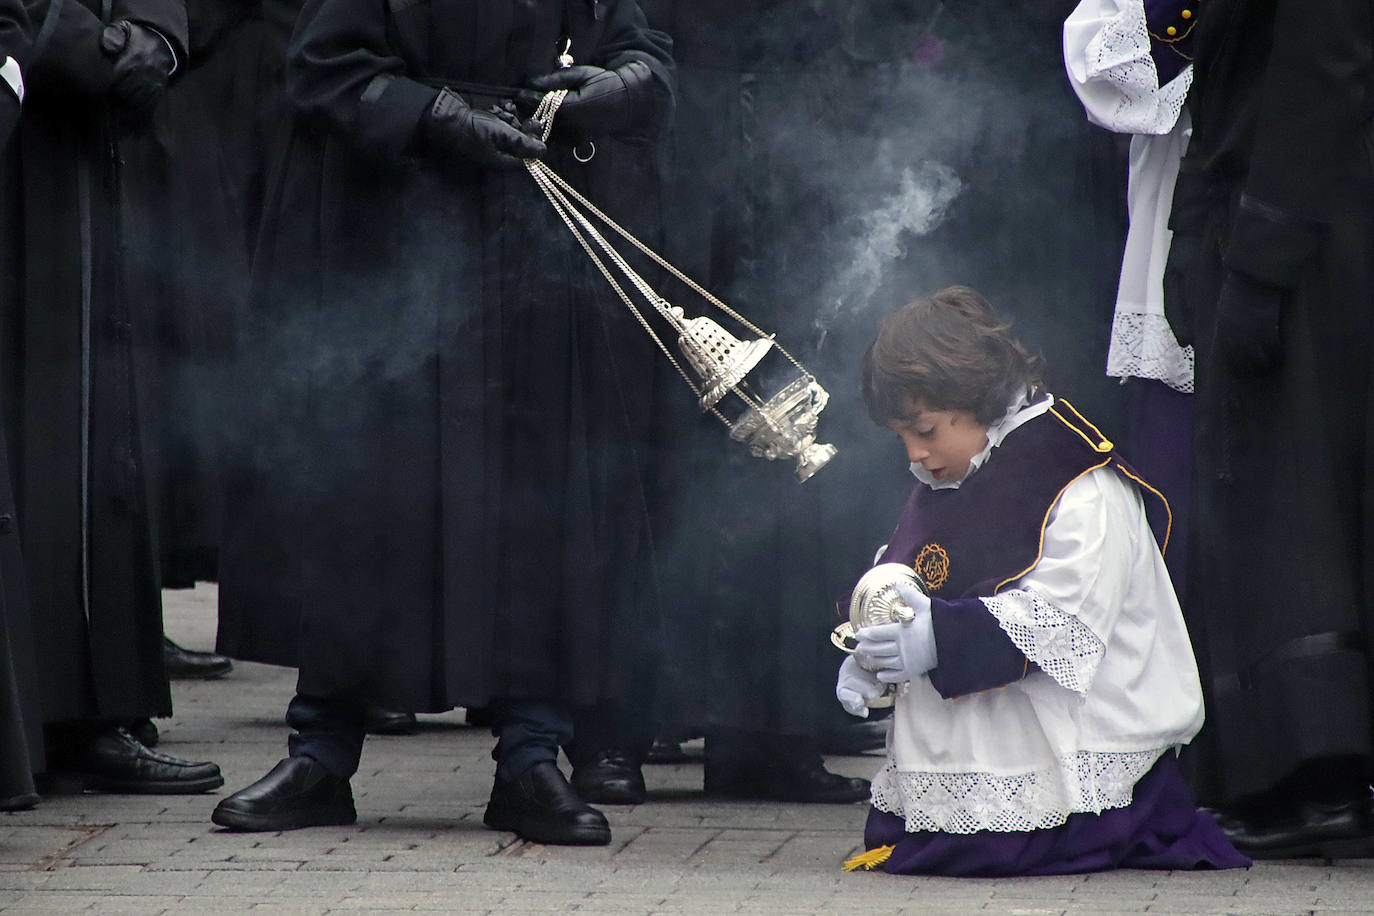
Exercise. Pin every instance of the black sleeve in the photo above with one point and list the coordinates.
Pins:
(14, 31)
(166, 16)
(65, 57)
(628, 37)
(974, 652)
(1313, 109)
(341, 69)
(14, 42)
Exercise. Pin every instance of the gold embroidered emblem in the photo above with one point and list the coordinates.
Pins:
(932, 565)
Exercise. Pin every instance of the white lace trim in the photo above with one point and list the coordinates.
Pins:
(1088, 781)
(1119, 54)
(1143, 346)
(1061, 644)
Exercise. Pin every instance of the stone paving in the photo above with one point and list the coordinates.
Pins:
(419, 844)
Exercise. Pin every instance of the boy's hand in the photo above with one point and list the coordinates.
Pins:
(899, 652)
(855, 688)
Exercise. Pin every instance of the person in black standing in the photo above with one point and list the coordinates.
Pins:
(445, 507)
(1272, 270)
(21, 738)
(74, 426)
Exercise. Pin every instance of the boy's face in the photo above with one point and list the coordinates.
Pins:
(944, 442)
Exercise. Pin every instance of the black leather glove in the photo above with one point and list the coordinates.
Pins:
(1248, 324)
(452, 127)
(600, 101)
(143, 63)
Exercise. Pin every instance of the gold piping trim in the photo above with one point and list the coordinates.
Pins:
(1103, 444)
(1169, 511)
(1044, 523)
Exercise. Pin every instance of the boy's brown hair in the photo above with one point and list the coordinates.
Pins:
(946, 351)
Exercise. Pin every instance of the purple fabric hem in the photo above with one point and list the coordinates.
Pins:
(1160, 829)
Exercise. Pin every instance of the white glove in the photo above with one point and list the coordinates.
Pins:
(855, 688)
(899, 652)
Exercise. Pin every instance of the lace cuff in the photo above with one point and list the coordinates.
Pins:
(1118, 56)
(1088, 781)
(1061, 644)
(1143, 346)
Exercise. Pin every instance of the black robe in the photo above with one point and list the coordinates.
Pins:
(213, 139)
(1283, 570)
(443, 505)
(71, 393)
(21, 744)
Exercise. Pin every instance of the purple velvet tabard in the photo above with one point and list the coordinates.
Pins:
(1171, 53)
(973, 541)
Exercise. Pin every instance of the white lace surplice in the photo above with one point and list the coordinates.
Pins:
(1117, 688)
(1107, 56)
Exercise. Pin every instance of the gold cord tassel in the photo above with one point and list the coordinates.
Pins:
(869, 860)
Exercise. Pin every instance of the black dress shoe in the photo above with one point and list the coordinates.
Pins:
(115, 761)
(297, 792)
(541, 807)
(378, 720)
(609, 777)
(1330, 830)
(805, 781)
(19, 802)
(186, 664)
(667, 750)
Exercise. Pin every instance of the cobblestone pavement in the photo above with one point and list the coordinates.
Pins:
(419, 844)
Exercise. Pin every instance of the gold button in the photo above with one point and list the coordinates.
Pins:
(1106, 445)
(1187, 14)
(1171, 30)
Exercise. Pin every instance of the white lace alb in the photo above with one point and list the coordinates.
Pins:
(1088, 781)
(1061, 644)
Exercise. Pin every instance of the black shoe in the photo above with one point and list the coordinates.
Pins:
(856, 738)
(609, 777)
(298, 792)
(541, 807)
(808, 781)
(1330, 830)
(187, 664)
(19, 802)
(144, 731)
(115, 761)
(382, 721)
(667, 750)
